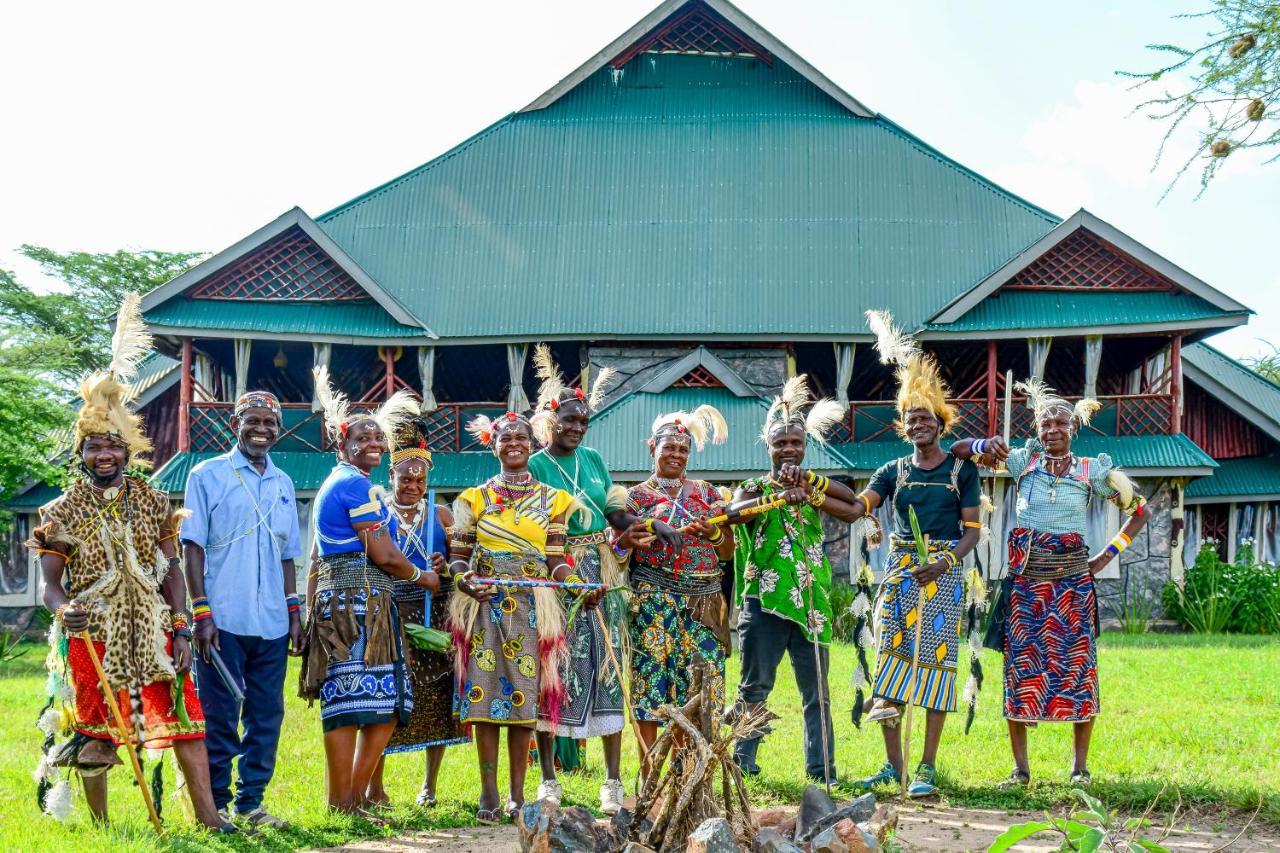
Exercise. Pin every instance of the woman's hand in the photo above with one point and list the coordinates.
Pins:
(636, 536)
(668, 536)
(592, 599)
(181, 655)
(700, 528)
(480, 592)
(430, 580)
(438, 564)
(931, 572)
(74, 618)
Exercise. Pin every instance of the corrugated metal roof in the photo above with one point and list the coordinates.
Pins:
(1134, 452)
(308, 469)
(1234, 377)
(1255, 477)
(33, 498)
(334, 319)
(730, 197)
(1073, 309)
(619, 433)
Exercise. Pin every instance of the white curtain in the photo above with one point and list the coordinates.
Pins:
(1245, 515)
(1038, 353)
(320, 355)
(427, 370)
(1190, 536)
(844, 371)
(517, 400)
(202, 371)
(1092, 361)
(1269, 547)
(243, 349)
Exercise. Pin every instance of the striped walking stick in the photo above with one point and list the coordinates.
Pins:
(922, 551)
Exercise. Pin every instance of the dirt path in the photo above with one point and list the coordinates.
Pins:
(934, 829)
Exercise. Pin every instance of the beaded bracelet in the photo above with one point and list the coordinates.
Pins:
(183, 632)
(291, 603)
(716, 537)
(1117, 545)
(977, 525)
(977, 446)
(817, 498)
(178, 620)
(949, 559)
(57, 614)
(201, 612)
(648, 524)
(621, 553)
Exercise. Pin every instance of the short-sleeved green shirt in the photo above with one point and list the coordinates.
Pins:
(936, 496)
(582, 474)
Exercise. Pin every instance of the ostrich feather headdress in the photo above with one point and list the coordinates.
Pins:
(107, 393)
(795, 407)
(554, 392)
(920, 385)
(703, 424)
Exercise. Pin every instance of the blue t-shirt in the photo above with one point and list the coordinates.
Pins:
(414, 543)
(346, 498)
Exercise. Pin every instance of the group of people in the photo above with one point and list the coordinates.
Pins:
(572, 603)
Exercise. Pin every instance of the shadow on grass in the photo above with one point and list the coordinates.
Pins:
(1113, 639)
(1129, 796)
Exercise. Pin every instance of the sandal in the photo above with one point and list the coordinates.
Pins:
(1017, 779)
(369, 817)
(488, 817)
(512, 808)
(1081, 778)
(426, 799)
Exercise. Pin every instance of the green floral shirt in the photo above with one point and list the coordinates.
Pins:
(780, 560)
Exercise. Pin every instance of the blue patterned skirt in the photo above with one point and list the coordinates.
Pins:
(356, 693)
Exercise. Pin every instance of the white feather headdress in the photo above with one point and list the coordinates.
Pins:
(1042, 399)
(920, 384)
(703, 424)
(554, 391)
(795, 406)
(392, 416)
(107, 393)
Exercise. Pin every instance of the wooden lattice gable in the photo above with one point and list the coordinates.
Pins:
(1084, 253)
(289, 260)
(701, 368)
(708, 27)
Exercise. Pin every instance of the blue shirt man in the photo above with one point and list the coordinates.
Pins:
(240, 543)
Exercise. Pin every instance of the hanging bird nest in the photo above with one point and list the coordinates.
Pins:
(692, 774)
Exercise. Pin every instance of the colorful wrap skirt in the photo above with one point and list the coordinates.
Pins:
(1050, 648)
(431, 723)
(675, 625)
(592, 680)
(354, 662)
(505, 664)
(934, 686)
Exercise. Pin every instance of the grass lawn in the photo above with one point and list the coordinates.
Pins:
(1199, 713)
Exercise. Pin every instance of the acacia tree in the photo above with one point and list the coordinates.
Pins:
(1227, 88)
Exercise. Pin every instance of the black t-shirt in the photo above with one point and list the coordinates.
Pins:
(937, 505)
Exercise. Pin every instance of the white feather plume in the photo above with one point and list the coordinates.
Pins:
(894, 346)
(131, 341)
(49, 721)
(861, 604)
(333, 403)
(57, 803)
(971, 691)
(975, 642)
(396, 412)
(865, 638)
(599, 387)
(544, 367)
(822, 416)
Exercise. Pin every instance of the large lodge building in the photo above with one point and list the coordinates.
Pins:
(703, 210)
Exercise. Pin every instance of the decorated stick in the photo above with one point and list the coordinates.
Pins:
(922, 552)
(534, 582)
(429, 508)
(110, 696)
(228, 680)
(1008, 404)
(743, 513)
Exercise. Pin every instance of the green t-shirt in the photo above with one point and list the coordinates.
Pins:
(938, 495)
(779, 559)
(582, 474)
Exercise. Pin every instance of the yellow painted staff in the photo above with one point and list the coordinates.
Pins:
(110, 696)
(736, 516)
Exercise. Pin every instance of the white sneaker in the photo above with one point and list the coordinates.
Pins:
(550, 790)
(611, 794)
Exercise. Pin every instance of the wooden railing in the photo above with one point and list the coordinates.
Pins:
(210, 426)
(1124, 414)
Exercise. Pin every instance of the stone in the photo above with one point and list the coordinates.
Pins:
(815, 804)
(855, 838)
(637, 847)
(883, 822)
(788, 827)
(713, 835)
(858, 810)
(769, 840)
(771, 817)
(547, 828)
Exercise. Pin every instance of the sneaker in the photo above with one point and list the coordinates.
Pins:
(888, 775)
(260, 818)
(426, 799)
(925, 783)
(611, 794)
(550, 790)
(225, 814)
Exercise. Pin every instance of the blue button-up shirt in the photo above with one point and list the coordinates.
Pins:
(247, 523)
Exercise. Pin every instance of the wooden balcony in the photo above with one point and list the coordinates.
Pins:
(210, 426)
(1125, 414)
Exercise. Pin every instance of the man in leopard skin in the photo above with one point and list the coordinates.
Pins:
(107, 550)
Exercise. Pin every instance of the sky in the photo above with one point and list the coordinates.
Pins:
(185, 126)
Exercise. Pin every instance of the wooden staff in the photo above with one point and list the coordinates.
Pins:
(735, 516)
(922, 550)
(110, 696)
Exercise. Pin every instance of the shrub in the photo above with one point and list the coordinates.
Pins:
(1239, 597)
(843, 622)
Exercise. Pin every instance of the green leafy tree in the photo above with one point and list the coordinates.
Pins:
(1267, 366)
(1228, 88)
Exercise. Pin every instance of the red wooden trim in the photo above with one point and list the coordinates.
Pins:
(389, 358)
(695, 15)
(1175, 362)
(184, 398)
(991, 387)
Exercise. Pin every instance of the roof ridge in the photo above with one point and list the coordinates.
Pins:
(449, 154)
(974, 175)
(1238, 365)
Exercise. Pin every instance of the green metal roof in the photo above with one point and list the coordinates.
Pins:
(1132, 452)
(1244, 388)
(33, 498)
(308, 469)
(729, 197)
(1019, 310)
(331, 320)
(1239, 479)
(620, 430)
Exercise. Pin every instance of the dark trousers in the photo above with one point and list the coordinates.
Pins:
(258, 666)
(763, 638)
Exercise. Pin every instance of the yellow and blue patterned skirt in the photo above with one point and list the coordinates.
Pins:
(940, 640)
